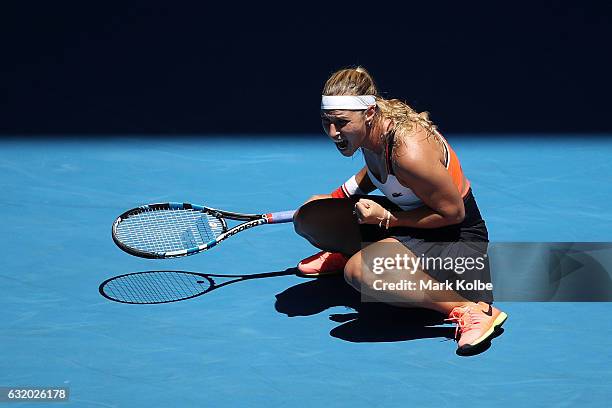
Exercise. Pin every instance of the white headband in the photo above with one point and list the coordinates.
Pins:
(347, 102)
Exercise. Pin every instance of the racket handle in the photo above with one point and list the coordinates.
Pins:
(280, 217)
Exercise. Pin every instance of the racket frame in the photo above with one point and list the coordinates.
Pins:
(252, 220)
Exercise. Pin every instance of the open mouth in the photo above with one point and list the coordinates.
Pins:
(342, 144)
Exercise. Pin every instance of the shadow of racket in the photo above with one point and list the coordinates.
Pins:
(154, 287)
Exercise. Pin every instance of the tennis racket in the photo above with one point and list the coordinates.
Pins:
(154, 287)
(168, 230)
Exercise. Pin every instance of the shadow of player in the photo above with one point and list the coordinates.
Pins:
(368, 321)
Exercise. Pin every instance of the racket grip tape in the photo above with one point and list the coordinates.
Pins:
(280, 217)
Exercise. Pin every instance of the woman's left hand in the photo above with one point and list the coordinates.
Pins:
(369, 212)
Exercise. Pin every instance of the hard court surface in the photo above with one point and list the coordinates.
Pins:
(285, 340)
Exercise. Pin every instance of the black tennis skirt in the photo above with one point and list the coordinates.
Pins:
(454, 244)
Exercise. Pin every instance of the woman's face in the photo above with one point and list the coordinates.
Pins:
(346, 128)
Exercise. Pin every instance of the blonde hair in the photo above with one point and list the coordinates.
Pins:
(358, 81)
(350, 81)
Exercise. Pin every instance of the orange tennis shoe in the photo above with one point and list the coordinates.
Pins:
(476, 324)
(323, 263)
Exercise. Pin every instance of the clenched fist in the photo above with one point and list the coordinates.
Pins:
(370, 212)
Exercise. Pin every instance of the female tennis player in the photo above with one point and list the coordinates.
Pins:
(424, 242)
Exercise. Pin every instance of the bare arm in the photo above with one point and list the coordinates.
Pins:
(364, 182)
(419, 167)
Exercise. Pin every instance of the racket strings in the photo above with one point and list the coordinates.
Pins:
(155, 287)
(168, 230)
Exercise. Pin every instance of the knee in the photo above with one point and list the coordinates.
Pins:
(353, 272)
(305, 219)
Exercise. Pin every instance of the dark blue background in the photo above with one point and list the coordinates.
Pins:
(229, 68)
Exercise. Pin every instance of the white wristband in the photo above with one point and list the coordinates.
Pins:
(351, 188)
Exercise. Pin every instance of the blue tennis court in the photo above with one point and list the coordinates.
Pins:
(282, 340)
